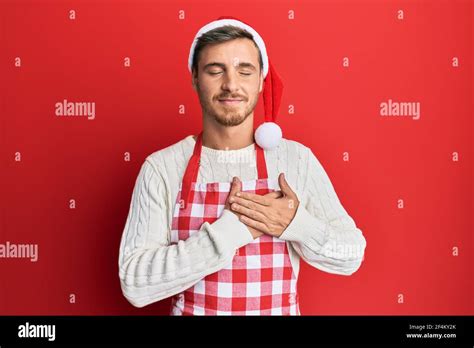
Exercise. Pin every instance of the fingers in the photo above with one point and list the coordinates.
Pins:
(235, 187)
(265, 200)
(274, 194)
(237, 201)
(253, 214)
(255, 224)
(255, 198)
(284, 186)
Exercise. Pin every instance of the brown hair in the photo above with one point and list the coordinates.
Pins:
(222, 34)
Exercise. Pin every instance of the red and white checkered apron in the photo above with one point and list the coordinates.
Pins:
(260, 280)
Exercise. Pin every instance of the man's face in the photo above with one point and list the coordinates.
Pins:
(229, 81)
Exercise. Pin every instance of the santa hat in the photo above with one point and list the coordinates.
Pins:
(268, 135)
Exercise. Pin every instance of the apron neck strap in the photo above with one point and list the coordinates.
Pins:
(191, 173)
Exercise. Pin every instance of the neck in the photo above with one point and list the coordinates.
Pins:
(219, 137)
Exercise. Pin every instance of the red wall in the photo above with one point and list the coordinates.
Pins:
(336, 110)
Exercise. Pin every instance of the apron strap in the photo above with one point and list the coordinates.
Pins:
(191, 173)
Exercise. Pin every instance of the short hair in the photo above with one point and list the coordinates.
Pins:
(222, 34)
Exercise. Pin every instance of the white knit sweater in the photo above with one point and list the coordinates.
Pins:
(150, 269)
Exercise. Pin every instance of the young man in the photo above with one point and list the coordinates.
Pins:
(218, 222)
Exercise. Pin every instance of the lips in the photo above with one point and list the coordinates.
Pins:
(230, 101)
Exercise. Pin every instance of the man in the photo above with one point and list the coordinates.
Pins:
(225, 236)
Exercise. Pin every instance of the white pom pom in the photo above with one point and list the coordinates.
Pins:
(268, 135)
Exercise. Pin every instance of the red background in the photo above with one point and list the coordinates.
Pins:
(409, 251)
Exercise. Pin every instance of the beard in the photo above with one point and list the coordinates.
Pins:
(228, 115)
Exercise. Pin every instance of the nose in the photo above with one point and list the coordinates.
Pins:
(230, 83)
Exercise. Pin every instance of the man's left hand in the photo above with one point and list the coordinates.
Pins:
(267, 214)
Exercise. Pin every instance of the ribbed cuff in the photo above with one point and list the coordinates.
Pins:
(305, 228)
(229, 232)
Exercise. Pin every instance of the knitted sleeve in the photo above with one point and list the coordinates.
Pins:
(150, 269)
(322, 232)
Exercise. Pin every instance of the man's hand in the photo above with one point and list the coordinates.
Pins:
(236, 187)
(268, 214)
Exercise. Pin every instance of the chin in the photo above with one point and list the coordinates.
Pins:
(230, 121)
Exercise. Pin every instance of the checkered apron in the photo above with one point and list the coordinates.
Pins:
(260, 280)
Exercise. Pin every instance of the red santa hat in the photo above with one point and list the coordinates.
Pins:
(268, 135)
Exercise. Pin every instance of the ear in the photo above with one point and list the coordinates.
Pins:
(194, 80)
(261, 82)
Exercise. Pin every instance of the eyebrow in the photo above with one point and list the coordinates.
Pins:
(221, 65)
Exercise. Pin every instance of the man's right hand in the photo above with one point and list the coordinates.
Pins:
(236, 186)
